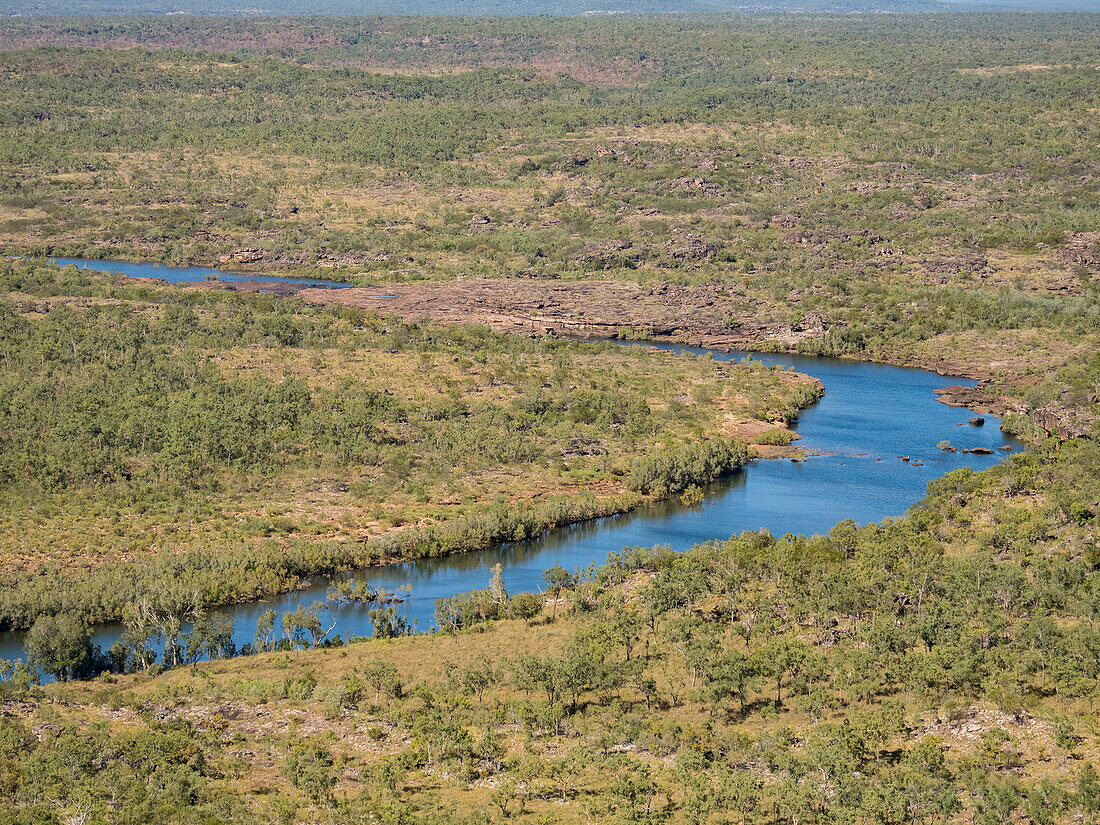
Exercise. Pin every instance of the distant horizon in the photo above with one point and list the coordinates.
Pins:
(527, 8)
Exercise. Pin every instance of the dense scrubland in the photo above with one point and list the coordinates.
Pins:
(910, 187)
(560, 8)
(918, 190)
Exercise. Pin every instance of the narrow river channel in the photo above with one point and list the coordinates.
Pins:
(193, 274)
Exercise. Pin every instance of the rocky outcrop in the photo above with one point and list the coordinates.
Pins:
(704, 315)
(1062, 421)
(248, 255)
(1082, 249)
(811, 322)
(820, 237)
(956, 264)
(689, 248)
(979, 399)
(608, 254)
(697, 186)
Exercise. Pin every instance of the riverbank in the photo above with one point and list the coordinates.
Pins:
(868, 416)
(706, 316)
(695, 316)
(579, 310)
(312, 521)
(794, 619)
(1005, 364)
(576, 310)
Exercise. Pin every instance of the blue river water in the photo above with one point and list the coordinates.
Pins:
(869, 416)
(190, 274)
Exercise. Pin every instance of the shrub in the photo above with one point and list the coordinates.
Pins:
(669, 471)
(525, 606)
(776, 437)
(1020, 426)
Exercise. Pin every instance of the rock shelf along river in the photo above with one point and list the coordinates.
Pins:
(869, 417)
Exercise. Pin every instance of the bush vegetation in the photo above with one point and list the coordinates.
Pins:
(940, 665)
(207, 418)
(896, 177)
(916, 190)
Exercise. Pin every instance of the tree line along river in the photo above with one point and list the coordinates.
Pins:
(869, 416)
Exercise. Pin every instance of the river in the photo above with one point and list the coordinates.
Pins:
(193, 274)
(869, 416)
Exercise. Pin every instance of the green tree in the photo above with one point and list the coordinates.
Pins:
(557, 578)
(304, 625)
(740, 791)
(732, 675)
(265, 631)
(140, 623)
(448, 615)
(59, 645)
(780, 658)
(497, 592)
(526, 606)
(212, 637)
(1088, 793)
(310, 768)
(384, 678)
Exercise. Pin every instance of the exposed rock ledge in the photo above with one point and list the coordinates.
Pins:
(592, 309)
(978, 399)
(1064, 422)
(1054, 419)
